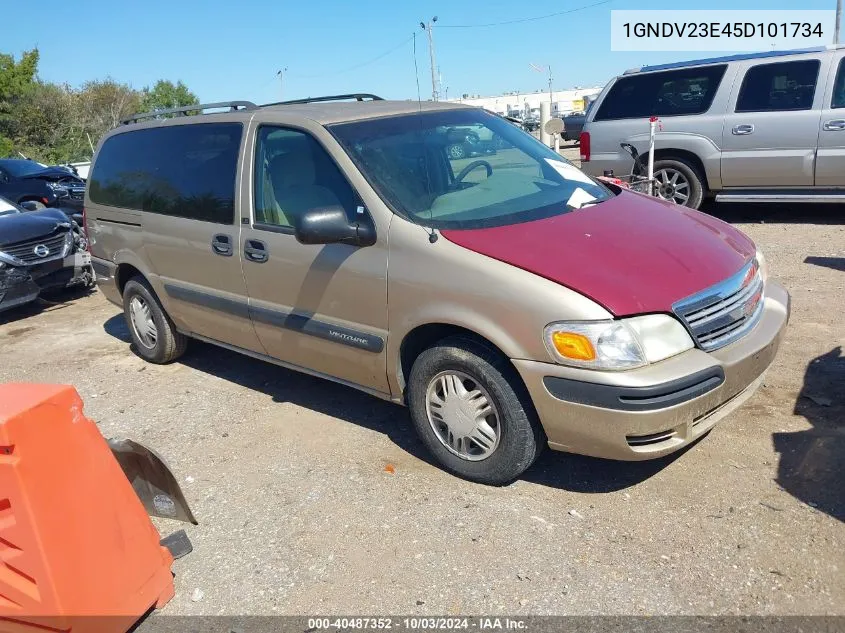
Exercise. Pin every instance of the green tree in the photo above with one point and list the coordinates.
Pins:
(17, 79)
(165, 94)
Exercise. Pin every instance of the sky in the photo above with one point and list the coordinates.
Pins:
(232, 50)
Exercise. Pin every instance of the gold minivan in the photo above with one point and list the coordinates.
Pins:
(509, 300)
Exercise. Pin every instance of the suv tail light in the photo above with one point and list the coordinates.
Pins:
(85, 228)
(585, 147)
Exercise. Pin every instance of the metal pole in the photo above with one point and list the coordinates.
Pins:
(430, 31)
(652, 128)
(551, 99)
(838, 21)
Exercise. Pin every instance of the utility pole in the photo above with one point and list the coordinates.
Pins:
(838, 21)
(281, 74)
(551, 99)
(429, 29)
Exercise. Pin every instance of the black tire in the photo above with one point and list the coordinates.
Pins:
(170, 344)
(694, 178)
(522, 438)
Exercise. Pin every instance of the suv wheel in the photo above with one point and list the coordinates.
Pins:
(470, 410)
(153, 333)
(678, 182)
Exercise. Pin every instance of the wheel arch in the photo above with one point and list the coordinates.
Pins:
(425, 336)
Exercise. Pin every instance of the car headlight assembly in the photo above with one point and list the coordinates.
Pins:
(59, 189)
(617, 345)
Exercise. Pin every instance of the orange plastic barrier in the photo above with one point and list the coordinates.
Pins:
(74, 538)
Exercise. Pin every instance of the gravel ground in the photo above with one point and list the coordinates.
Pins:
(314, 498)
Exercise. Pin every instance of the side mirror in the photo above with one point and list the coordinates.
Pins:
(329, 225)
(28, 205)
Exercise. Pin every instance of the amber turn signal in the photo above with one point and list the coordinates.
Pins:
(574, 346)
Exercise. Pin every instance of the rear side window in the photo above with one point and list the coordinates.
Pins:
(838, 99)
(669, 93)
(779, 87)
(185, 170)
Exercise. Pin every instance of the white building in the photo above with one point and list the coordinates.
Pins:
(525, 104)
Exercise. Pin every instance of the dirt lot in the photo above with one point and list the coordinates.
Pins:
(286, 474)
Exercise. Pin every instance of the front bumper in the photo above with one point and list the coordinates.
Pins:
(658, 409)
(16, 288)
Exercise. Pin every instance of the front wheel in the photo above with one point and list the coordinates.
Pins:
(678, 182)
(472, 412)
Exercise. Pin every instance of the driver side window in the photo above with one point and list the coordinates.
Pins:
(293, 173)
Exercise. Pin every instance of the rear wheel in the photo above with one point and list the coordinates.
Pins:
(153, 333)
(471, 411)
(679, 182)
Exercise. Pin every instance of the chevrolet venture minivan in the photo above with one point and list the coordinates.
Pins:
(509, 300)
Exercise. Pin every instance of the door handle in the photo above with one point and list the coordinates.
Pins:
(221, 245)
(835, 125)
(256, 251)
(742, 130)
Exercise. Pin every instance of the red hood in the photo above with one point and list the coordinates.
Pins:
(632, 254)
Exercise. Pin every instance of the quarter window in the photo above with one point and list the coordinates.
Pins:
(293, 173)
(179, 170)
(669, 93)
(779, 87)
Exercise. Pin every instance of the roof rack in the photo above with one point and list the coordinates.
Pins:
(725, 59)
(233, 106)
(358, 96)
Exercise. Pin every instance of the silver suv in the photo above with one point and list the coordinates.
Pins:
(767, 127)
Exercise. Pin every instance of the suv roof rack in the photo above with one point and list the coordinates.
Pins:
(233, 106)
(358, 96)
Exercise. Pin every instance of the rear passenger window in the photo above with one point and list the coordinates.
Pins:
(779, 87)
(183, 170)
(838, 99)
(669, 93)
(293, 173)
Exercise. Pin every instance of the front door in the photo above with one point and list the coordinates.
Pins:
(320, 307)
(771, 130)
(830, 160)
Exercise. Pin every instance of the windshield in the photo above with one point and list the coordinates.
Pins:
(462, 169)
(7, 208)
(20, 168)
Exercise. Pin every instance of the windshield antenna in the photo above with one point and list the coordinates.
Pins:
(432, 234)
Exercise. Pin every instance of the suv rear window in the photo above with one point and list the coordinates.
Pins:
(182, 170)
(778, 87)
(669, 93)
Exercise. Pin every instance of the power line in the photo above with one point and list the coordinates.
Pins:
(520, 20)
(357, 66)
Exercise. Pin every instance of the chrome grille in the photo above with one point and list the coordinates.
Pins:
(77, 193)
(25, 251)
(723, 313)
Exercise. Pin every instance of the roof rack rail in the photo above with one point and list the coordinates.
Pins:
(233, 106)
(358, 96)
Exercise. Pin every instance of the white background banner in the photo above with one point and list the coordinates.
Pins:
(719, 30)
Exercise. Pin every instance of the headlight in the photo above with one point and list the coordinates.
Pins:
(59, 189)
(761, 265)
(614, 345)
